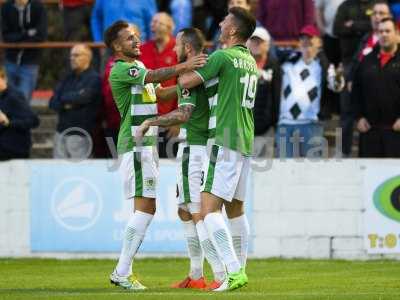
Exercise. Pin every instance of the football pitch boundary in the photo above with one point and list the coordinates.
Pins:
(170, 292)
(270, 279)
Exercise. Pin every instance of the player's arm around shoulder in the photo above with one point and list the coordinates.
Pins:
(163, 74)
(210, 70)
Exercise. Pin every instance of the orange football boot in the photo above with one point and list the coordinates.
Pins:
(189, 283)
(213, 285)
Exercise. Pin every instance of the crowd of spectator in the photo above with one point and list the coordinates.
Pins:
(346, 62)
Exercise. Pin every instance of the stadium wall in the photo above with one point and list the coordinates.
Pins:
(300, 209)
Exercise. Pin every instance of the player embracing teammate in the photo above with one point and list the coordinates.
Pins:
(215, 105)
(193, 114)
(231, 134)
(135, 95)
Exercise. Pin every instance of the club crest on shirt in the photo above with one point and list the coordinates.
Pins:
(134, 72)
(149, 184)
(185, 93)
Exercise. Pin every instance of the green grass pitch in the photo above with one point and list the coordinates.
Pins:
(268, 279)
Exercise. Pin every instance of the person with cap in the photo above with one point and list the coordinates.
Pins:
(302, 105)
(268, 88)
(23, 21)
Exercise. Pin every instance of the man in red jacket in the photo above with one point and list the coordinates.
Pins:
(158, 53)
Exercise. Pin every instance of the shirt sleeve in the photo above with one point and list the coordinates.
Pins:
(129, 73)
(213, 67)
(186, 96)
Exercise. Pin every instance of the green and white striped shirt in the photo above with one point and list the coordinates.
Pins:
(136, 102)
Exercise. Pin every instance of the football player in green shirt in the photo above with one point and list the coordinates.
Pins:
(231, 128)
(193, 116)
(135, 96)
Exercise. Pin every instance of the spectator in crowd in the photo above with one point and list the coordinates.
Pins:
(325, 14)
(159, 53)
(217, 10)
(380, 11)
(351, 24)
(207, 14)
(138, 12)
(376, 94)
(76, 18)
(285, 18)
(181, 12)
(23, 21)
(268, 88)
(303, 104)
(16, 121)
(245, 4)
(199, 15)
(76, 99)
(239, 3)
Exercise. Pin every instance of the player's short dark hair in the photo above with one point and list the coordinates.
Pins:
(194, 37)
(111, 33)
(391, 20)
(245, 22)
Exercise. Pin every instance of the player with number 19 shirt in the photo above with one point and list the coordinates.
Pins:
(231, 120)
(231, 127)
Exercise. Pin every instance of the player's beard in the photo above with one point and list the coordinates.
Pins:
(135, 54)
(223, 38)
(182, 56)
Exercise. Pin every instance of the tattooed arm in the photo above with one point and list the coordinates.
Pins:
(179, 116)
(160, 75)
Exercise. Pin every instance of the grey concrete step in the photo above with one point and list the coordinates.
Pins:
(48, 122)
(42, 150)
(42, 135)
(42, 110)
